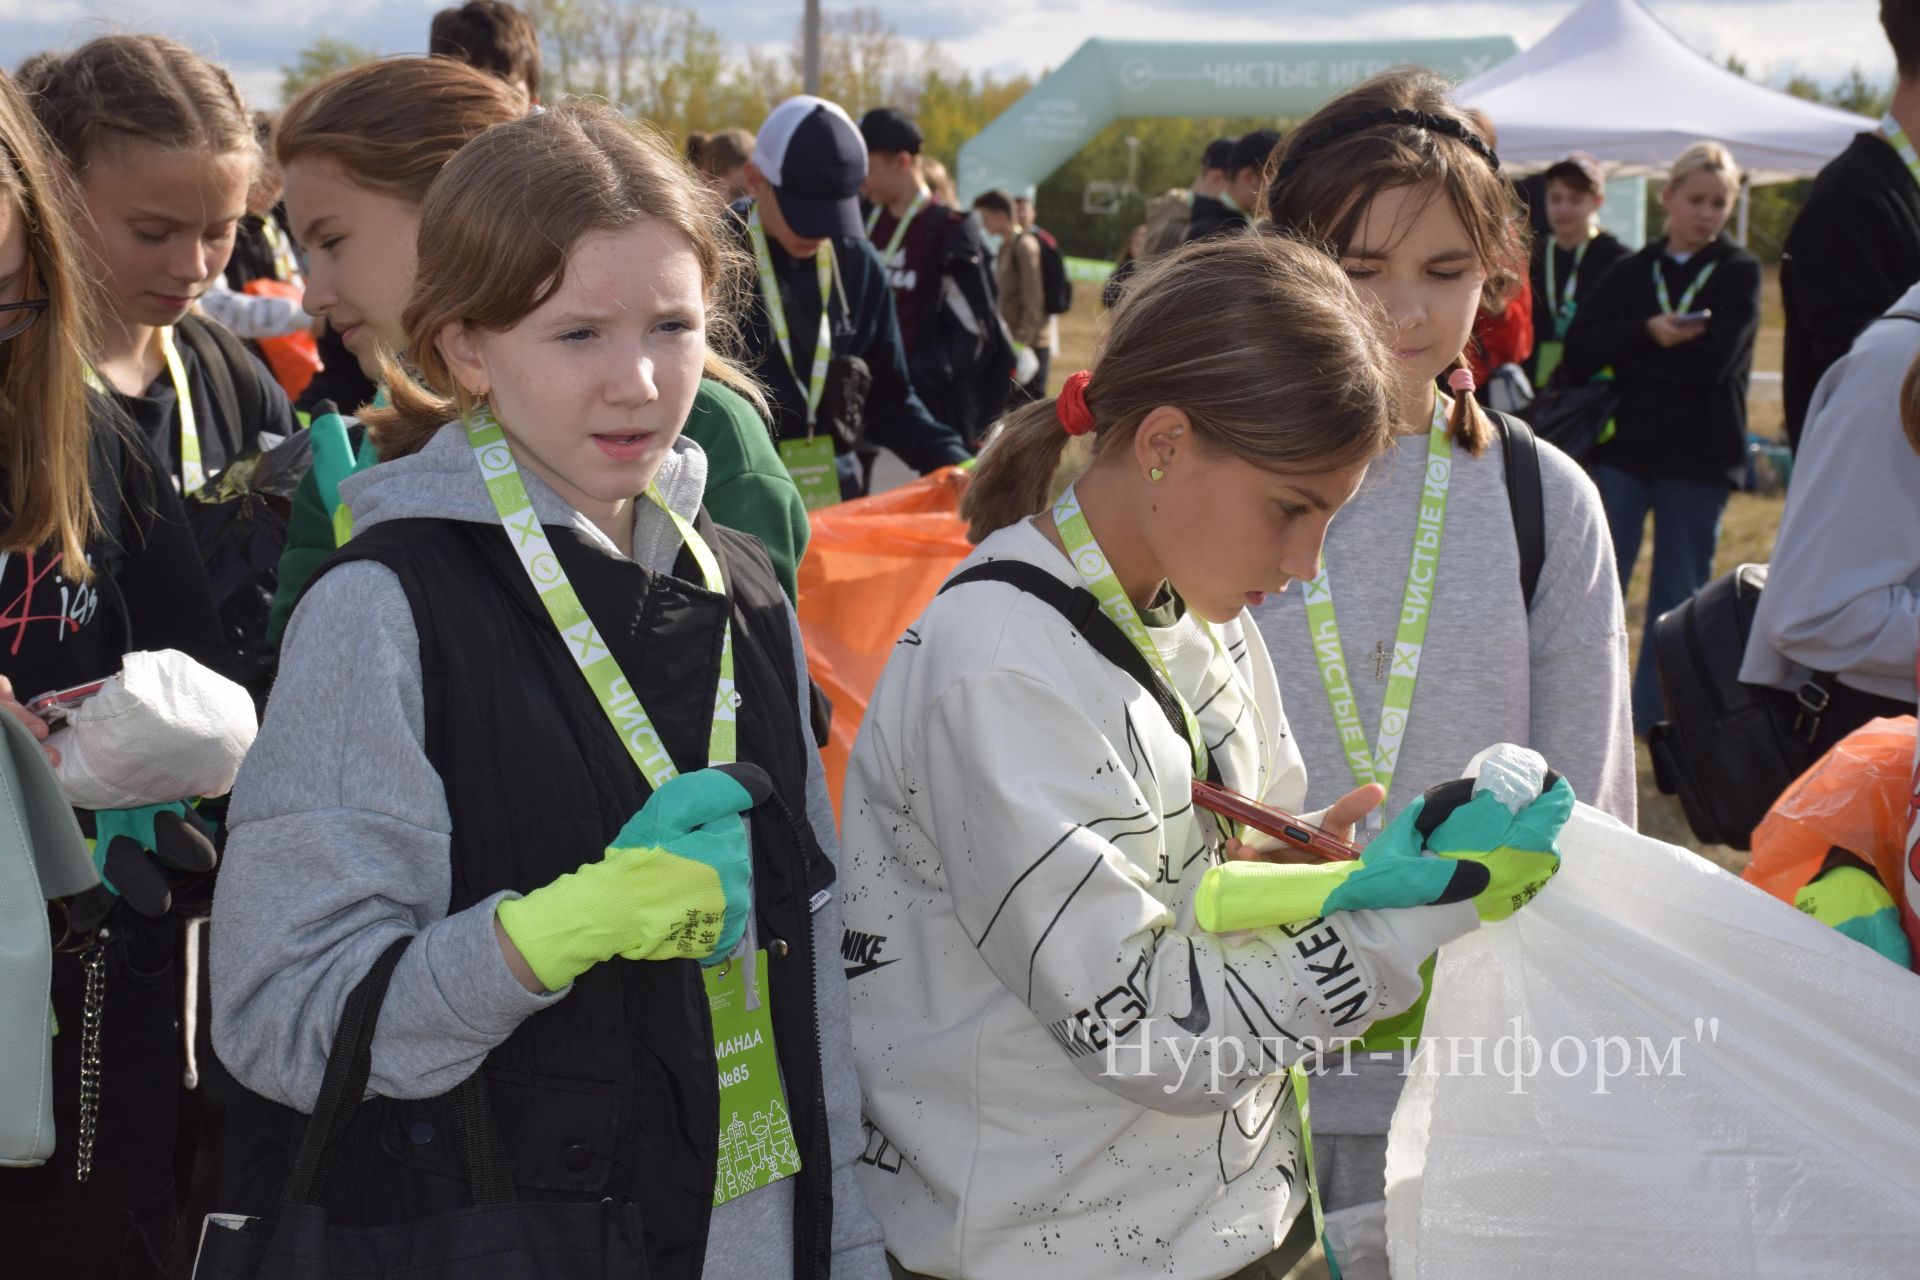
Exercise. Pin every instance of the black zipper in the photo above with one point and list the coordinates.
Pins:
(818, 1156)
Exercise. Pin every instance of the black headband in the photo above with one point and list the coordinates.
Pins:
(1339, 128)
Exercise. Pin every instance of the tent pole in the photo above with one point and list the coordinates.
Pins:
(1746, 210)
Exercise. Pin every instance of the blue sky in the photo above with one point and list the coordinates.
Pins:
(1822, 38)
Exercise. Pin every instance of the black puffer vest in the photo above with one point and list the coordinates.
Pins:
(613, 1091)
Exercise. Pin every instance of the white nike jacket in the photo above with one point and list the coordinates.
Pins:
(1063, 1074)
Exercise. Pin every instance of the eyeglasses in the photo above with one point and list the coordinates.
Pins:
(18, 317)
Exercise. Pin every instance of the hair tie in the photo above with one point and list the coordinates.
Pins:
(1460, 381)
(1071, 406)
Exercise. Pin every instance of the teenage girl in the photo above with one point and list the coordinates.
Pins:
(163, 152)
(95, 561)
(1022, 847)
(359, 150)
(1676, 323)
(1416, 646)
(547, 642)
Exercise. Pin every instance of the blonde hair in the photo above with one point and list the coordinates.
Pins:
(1705, 157)
(43, 395)
(1260, 340)
(1327, 171)
(567, 171)
(938, 181)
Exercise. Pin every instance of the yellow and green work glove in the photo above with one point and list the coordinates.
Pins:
(1482, 852)
(1849, 896)
(675, 884)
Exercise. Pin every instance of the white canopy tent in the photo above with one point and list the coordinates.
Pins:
(1612, 80)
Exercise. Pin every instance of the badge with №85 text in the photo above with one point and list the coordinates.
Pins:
(810, 463)
(756, 1133)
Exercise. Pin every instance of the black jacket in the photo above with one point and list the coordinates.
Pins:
(963, 377)
(1852, 251)
(1602, 252)
(864, 325)
(1683, 409)
(1212, 217)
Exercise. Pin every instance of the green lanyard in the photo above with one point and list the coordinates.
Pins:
(596, 661)
(286, 267)
(900, 229)
(1091, 564)
(1686, 299)
(1379, 764)
(1563, 307)
(777, 314)
(1897, 139)
(193, 473)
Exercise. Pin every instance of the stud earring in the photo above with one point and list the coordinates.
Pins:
(1156, 475)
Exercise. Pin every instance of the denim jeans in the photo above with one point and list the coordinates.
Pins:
(1686, 530)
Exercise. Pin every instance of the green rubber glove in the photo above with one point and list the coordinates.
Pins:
(1516, 851)
(1390, 872)
(1848, 896)
(128, 843)
(675, 884)
(1486, 854)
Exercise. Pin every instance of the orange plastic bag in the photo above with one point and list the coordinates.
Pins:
(1856, 797)
(295, 357)
(871, 567)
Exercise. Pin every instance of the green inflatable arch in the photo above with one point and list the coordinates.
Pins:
(1108, 80)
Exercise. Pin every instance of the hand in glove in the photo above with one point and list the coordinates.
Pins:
(126, 845)
(1849, 896)
(675, 884)
(1487, 854)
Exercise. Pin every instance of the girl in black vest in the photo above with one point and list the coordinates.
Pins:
(1676, 324)
(162, 152)
(95, 561)
(491, 739)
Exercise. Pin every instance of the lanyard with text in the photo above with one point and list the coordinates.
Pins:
(900, 228)
(1563, 306)
(1686, 299)
(1378, 764)
(777, 314)
(285, 266)
(1091, 564)
(1898, 140)
(192, 474)
(590, 652)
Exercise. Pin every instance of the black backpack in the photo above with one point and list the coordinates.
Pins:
(1056, 287)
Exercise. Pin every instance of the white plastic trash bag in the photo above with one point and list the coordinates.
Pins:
(166, 728)
(1656, 1066)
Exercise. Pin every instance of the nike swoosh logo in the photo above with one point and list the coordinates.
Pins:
(1198, 1017)
(869, 968)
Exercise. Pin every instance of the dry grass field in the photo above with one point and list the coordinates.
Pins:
(1746, 536)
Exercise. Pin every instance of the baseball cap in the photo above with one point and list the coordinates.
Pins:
(815, 158)
(889, 129)
(1582, 163)
(1218, 153)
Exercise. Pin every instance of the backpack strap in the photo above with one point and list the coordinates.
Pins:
(232, 374)
(1079, 607)
(1526, 495)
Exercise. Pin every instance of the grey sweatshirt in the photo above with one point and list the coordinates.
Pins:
(1554, 680)
(1843, 591)
(340, 840)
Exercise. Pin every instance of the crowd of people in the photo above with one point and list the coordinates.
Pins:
(536, 777)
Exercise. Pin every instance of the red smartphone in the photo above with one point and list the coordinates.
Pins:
(54, 706)
(1279, 824)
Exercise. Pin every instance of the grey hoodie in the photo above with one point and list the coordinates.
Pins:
(340, 840)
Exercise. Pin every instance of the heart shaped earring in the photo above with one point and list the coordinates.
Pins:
(1156, 475)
